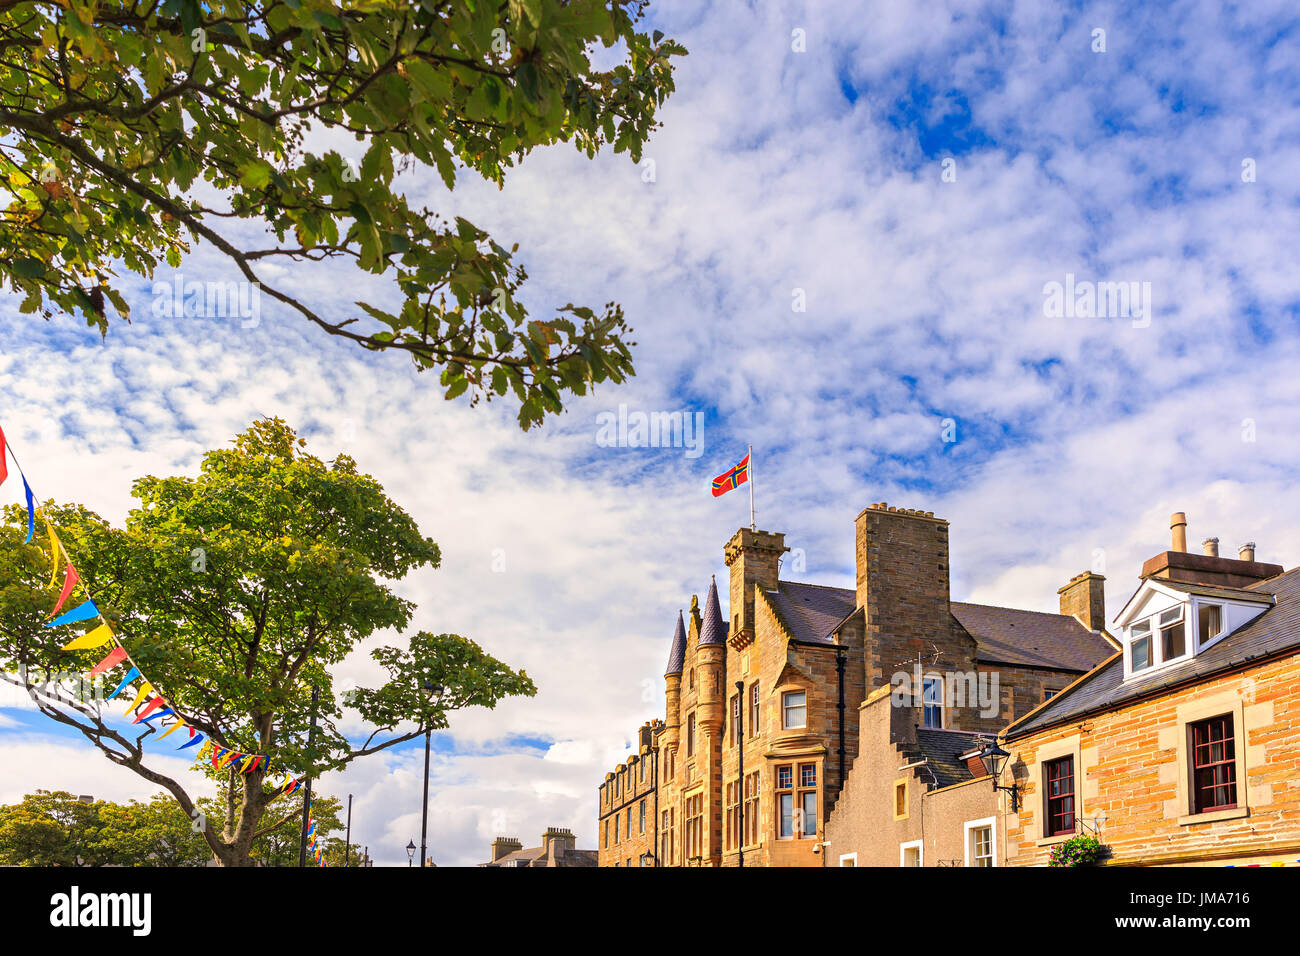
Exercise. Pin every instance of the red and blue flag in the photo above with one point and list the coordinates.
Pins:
(731, 479)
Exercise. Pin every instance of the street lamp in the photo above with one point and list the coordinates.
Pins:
(410, 852)
(432, 692)
(995, 759)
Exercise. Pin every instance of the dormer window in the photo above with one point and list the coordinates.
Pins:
(1211, 623)
(1173, 639)
(1140, 646)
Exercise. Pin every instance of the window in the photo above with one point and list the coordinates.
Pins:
(731, 832)
(642, 830)
(616, 828)
(909, 854)
(808, 815)
(735, 716)
(1140, 646)
(808, 775)
(668, 834)
(979, 843)
(849, 859)
(1058, 777)
(1209, 622)
(794, 710)
(694, 826)
(1048, 695)
(932, 702)
(1214, 765)
(643, 771)
(690, 734)
(607, 834)
(785, 802)
(751, 809)
(1173, 639)
(900, 799)
(753, 709)
(691, 679)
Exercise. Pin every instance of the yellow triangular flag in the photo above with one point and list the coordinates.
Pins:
(96, 638)
(55, 547)
(179, 723)
(144, 689)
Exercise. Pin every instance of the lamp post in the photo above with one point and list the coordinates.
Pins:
(410, 852)
(995, 758)
(433, 692)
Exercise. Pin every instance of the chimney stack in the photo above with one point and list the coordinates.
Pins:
(1211, 547)
(502, 846)
(1084, 598)
(1247, 551)
(1178, 526)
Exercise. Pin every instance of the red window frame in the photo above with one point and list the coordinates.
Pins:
(1214, 765)
(1058, 786)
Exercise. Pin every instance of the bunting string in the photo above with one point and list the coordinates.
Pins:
(149, 704)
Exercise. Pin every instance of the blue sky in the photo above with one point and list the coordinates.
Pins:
(777, 171)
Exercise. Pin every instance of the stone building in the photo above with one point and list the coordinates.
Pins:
(1180, 749)
(762, 713)
(629, 806)
(559, 848)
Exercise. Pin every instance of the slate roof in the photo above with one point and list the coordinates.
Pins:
(713, 629)
(1274, 631)
(1002, 635)
(942, 751)
(677, 653)
(1007, 635)
(536, 856)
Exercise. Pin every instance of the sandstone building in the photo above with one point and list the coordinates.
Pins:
(1183, 748)
(762, 717)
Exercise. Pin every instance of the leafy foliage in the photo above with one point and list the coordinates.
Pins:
(234, 591)
(1081, 850)
(137, 129)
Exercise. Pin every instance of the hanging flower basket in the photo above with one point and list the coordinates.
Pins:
(1082, 850)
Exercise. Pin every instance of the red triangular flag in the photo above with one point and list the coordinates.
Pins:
(149, 708)
(70, 580)
(4, 465)
(116, 656)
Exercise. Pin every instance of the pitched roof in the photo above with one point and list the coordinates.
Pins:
(942, 750)
(1008, 635)
(1002, 635)
(812, 611)
(677, 653)
(713, 629)
(1274, 631)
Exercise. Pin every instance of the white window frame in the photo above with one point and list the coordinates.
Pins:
(785, 724)
(918, 845)
(943, 717)
(845, 857)
(968, 834)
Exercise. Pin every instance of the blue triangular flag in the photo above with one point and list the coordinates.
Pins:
(164, 712)
(131, 675)
(192, 741)
(31, 511)
(83, 612)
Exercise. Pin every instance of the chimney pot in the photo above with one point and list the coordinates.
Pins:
(1178, 527)
(1247, 551)
(1211, 547)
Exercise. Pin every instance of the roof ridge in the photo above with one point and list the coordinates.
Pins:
(1018, 610)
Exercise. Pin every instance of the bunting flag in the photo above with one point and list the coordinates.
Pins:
(70, 579)
(82, 612)
(114, 657)
(131, 675)
(55, 548)
(732, 478)
(157, 707)
(96, 638)
(31, 511)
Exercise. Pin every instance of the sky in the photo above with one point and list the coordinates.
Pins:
(842, 254)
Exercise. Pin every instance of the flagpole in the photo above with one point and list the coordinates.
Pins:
(752, 526)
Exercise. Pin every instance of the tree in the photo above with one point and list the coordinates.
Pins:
(234, 592)
(52, 829)
(156, 833)
(118, 108)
